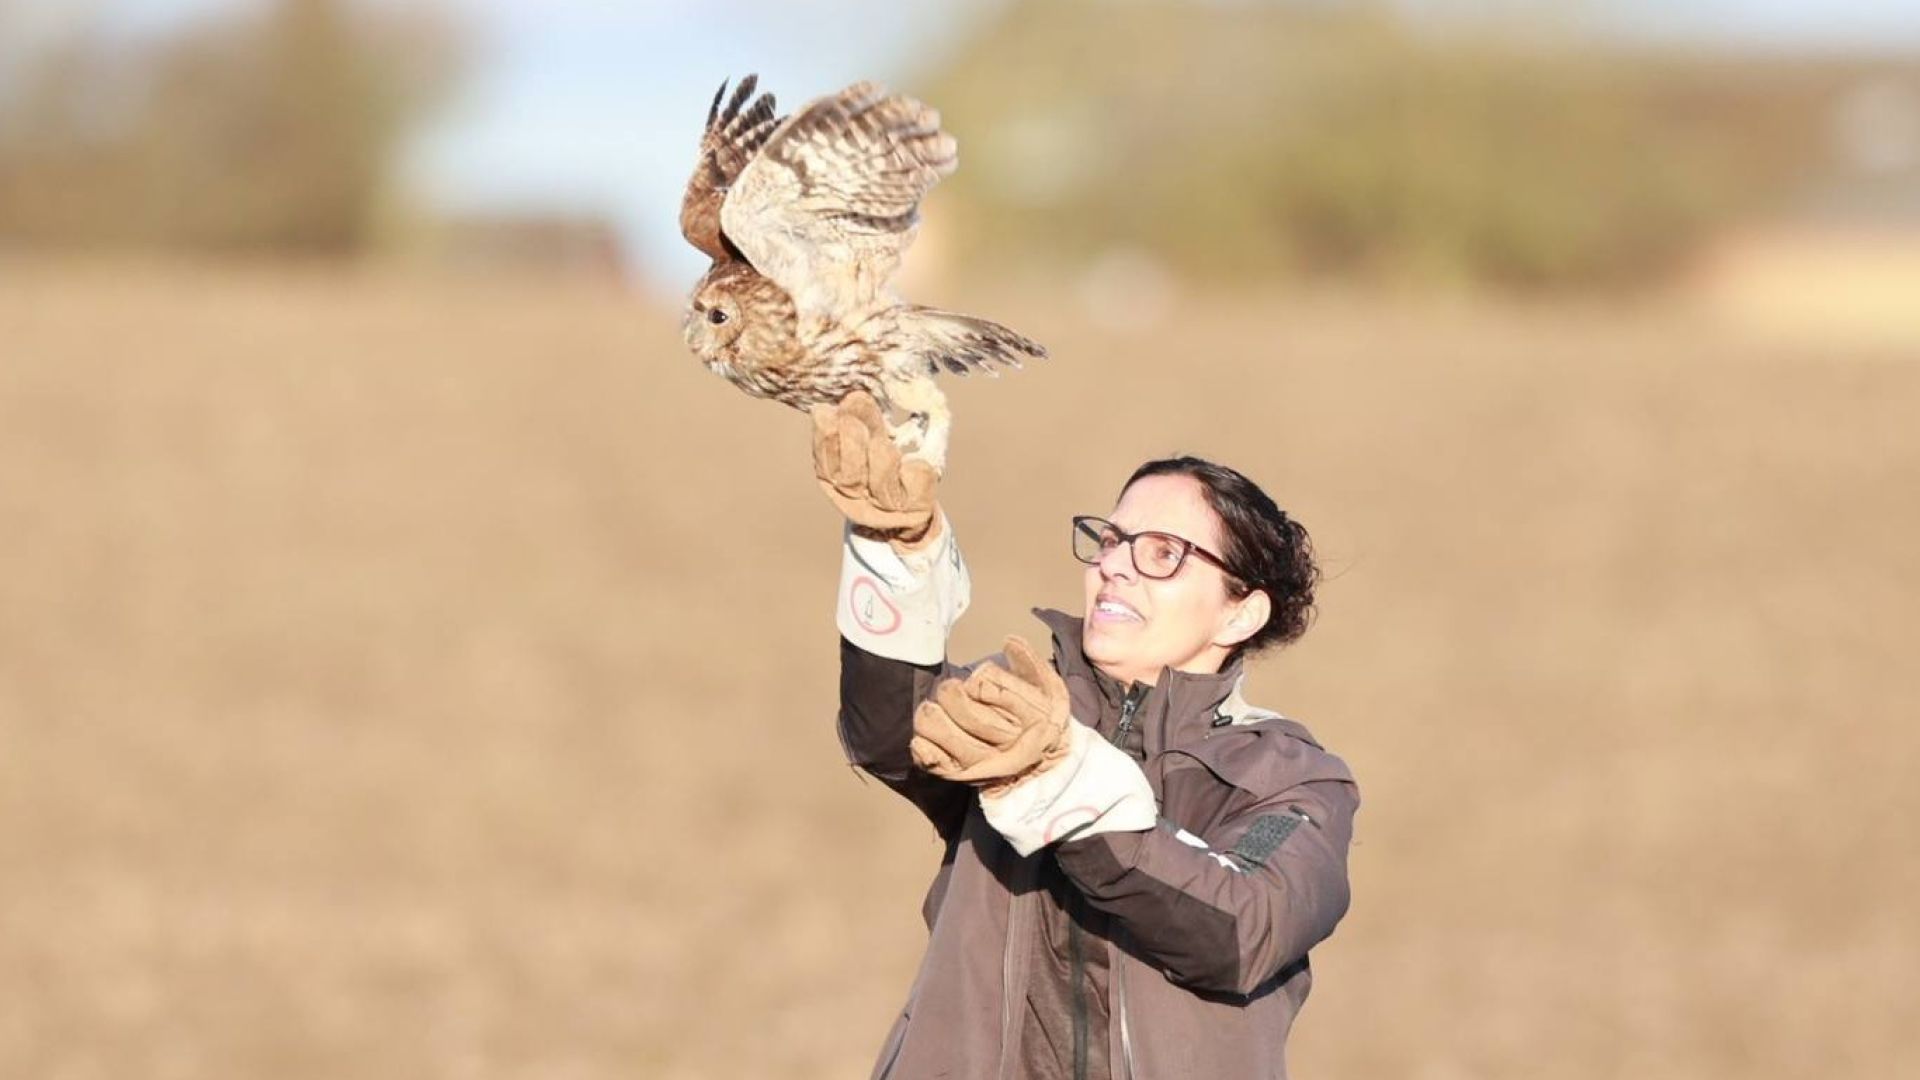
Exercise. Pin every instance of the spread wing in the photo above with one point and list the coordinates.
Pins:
(733, 135)
(829, 206)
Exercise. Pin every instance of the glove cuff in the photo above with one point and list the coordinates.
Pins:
(1094, 788)
(901, 605)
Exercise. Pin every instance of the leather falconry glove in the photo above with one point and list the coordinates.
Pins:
(862, 471)
(997, 726)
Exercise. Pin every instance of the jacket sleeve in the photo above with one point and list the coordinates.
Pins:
(877, 700)
(894, 614)
(1229, 911)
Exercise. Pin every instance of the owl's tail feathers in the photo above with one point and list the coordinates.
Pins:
(949, 341)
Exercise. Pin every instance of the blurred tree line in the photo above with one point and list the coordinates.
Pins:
(272, 130)
(1293, 138)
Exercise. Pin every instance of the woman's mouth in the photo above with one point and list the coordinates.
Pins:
(1108, 610)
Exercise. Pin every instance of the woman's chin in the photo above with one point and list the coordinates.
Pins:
(1109, 644)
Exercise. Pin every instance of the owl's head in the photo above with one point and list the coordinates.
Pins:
(716, 316)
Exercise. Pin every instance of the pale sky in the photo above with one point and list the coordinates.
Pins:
(595, 105)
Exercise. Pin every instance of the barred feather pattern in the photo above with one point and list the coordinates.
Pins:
(831, 204)
(733, 136)
(946, 340)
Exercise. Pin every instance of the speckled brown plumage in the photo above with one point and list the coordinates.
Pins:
(806, 219)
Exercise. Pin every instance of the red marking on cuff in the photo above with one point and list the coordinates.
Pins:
(871, 608)
(1069, 820)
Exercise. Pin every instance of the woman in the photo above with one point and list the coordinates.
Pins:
(1137, 860)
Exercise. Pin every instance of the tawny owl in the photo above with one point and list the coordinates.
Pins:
(806, 219)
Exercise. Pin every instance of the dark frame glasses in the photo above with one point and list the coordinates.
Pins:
(1093, 537)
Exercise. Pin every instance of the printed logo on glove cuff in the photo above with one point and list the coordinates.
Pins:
(871, 608)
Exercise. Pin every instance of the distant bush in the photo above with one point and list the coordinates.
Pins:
(1257, 139)
(274, 132)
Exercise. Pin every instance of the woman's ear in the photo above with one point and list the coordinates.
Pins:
(1244, 619)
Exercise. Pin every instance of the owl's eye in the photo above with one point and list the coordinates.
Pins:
(716, 316)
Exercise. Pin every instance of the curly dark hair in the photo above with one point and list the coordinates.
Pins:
(1265, 548)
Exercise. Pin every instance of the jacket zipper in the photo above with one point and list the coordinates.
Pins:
(1007, 960)
(1129, 706)
(1118, 958)
(1079, 962)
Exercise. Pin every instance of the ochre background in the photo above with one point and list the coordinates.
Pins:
(435, 678)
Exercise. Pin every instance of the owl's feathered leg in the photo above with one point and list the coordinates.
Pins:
(927, 411)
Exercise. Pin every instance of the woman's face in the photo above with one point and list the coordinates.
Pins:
(1136, 626)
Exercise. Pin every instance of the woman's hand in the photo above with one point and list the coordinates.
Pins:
(862, 471)
(996, 727)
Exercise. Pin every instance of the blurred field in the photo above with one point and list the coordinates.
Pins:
(415, 679)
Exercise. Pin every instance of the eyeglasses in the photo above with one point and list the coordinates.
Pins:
(1156, 555)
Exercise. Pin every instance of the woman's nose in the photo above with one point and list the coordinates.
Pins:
(1117, 561)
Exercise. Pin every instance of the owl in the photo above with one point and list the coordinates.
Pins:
(806, 218)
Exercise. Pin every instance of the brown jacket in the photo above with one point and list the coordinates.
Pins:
(1193, 935)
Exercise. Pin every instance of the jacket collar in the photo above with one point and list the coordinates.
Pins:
(1182, 707)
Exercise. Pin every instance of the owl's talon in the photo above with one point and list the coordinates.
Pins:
(929, 441)
(926, 422)
(907, 435)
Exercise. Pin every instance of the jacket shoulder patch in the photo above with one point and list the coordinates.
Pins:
(1264, 837)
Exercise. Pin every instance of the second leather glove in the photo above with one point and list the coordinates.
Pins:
(998, 725)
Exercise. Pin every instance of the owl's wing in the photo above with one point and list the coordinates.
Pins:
(830, 204)
(733, 135)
